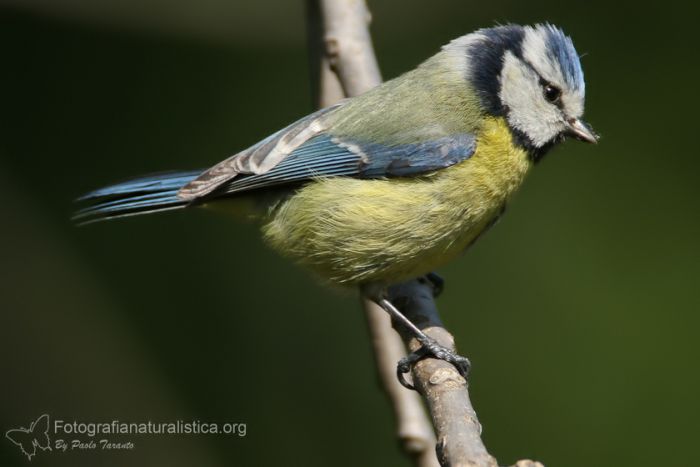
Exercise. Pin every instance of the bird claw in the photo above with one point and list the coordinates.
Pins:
(430, 348)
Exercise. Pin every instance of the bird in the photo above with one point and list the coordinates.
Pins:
(390, 185)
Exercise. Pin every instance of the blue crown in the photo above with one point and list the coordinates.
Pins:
(561, 49)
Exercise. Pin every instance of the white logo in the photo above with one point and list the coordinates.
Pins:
(36, 436)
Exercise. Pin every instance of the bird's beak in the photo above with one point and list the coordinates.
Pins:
(581, 131)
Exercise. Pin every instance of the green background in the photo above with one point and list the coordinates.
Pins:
(579, 310)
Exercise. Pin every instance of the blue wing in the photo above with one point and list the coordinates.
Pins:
(327, 156)
(308, 148)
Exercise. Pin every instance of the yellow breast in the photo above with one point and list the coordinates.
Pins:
(353, 231)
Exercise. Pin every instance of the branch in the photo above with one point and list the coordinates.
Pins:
(346, 43)
(344, 64)
(445, 391)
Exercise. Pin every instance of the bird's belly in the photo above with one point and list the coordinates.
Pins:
(352, 231)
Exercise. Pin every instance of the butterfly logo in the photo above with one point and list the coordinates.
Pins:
(36, 436)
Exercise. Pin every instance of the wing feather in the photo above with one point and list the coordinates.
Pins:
(326, 156)
(260, 157)
(307, 149)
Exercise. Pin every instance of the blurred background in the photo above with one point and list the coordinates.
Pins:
(579, 310)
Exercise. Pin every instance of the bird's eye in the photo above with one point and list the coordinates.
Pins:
(551, 93)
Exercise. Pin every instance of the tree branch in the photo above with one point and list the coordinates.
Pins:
(344, 64)
(445, 391)
(346, 43)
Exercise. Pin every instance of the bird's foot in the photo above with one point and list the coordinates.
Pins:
(436, 281)
(430, 348)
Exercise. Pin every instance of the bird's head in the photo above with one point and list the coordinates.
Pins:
(530, 75)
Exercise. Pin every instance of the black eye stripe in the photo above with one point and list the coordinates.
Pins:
(543, 83)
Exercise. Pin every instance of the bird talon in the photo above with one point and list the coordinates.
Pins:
(402, 368)
(430, 348)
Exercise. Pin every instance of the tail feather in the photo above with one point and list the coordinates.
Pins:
(141, 195)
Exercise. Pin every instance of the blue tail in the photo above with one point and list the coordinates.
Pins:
(141, 195)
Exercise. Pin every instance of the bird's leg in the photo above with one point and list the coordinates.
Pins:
(429, 348)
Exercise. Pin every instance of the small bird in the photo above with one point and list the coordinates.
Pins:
(389, 185)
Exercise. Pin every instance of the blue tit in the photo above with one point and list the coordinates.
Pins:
(391, 184)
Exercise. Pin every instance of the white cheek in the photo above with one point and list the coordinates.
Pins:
(528, 111)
